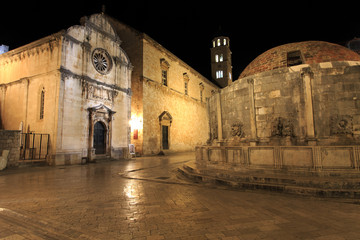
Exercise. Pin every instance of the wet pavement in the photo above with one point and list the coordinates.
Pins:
(142, 198)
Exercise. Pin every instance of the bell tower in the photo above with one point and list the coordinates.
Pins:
(221, 69)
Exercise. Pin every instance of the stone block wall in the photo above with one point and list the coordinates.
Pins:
(188, 126)
(10, 140)
(292, 106)
(336, 100)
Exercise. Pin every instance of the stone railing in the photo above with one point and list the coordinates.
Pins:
(306, 158)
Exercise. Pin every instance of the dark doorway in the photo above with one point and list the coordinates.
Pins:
(165, 137)
(99, 138)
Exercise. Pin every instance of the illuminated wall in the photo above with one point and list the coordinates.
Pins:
(187, 109)
(85, 78)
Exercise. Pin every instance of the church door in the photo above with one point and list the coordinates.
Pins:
(99, 138)
(165, 137)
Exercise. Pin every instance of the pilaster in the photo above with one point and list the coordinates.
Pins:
(307, 77)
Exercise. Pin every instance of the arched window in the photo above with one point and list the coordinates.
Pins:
(219, 42)
(216, 58)
(219, 74)
(42, 103)
(221, 57)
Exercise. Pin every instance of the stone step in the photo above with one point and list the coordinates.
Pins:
(314, 186)
(32, 163)
(326, 181)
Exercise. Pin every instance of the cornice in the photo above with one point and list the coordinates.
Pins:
(46, 43)
(66, 73)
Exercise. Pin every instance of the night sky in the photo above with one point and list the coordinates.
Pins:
(186, 27)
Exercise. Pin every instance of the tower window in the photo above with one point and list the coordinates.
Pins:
(219, 74)
(224, 41)
(294, 58)
(221, 57)
(42, 104)
(216, 58)
(213, 43)
(218, 42)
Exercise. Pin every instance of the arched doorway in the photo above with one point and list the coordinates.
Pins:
(165, 120)
(99, 138)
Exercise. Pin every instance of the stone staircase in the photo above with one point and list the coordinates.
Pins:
(323, 184)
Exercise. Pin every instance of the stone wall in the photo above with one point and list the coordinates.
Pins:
(150, 98)
(24, 73)
(10, 140)
(189, 126)
(132, 43)
(292, 106)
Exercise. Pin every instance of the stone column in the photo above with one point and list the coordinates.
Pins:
(86, 51)
(91, 150)
(307, 76)
(219, 116)
(253, 135)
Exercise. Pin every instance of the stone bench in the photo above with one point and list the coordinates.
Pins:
(4, 159)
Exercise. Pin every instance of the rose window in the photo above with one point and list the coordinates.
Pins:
(101, 60)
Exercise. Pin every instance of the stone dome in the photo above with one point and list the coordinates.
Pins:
(291, 54)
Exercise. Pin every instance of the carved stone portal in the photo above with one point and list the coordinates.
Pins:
(100, 116)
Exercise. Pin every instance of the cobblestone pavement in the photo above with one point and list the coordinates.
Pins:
(142, 199)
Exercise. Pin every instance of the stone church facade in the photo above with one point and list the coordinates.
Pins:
(99, 86)
(74, 85)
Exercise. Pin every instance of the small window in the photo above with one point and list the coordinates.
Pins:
(294, 58)
(216, 58)
(218, 42)
(164, 65)
(224, 41)
(186, 83)
(219, 74)
(42, 104)
(213, 43)
(164, 77)
(221, 57)
(201, 85)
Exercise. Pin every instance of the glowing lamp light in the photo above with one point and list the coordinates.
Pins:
(136, 124)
